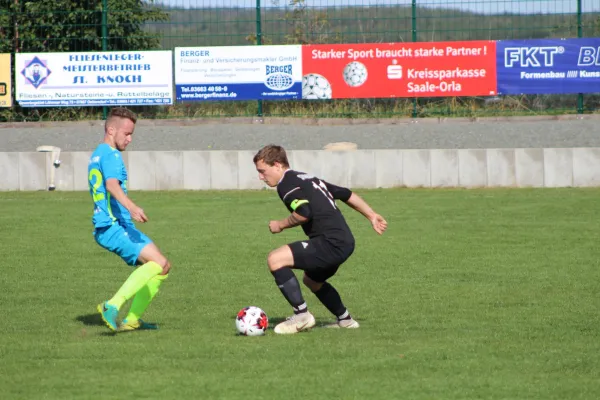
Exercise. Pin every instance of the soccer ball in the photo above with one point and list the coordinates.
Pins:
(355, 73)
(251, 321)
(315, 86)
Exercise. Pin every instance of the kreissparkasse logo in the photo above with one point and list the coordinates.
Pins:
(2, 89)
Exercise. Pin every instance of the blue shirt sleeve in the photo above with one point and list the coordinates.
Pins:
(111, 165)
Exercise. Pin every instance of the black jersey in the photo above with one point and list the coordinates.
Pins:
(315, 198)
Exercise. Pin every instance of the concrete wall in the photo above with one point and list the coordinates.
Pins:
(202, 170)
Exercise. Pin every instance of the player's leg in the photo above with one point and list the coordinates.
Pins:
(328, 262)
(111, 238)
(280, 263)
(329, 297)
(132, 246)
(128, 243)
(144, 296)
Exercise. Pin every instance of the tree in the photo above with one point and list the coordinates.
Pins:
(76, 25)
(306, 25)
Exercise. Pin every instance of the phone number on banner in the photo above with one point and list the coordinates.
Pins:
(204, 92)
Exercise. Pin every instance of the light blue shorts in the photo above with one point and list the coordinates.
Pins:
(125, 241)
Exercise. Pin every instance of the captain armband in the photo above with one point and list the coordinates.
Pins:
(296, 206)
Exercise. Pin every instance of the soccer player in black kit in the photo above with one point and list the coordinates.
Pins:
(311, 202)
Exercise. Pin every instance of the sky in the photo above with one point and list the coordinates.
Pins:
(482, 6)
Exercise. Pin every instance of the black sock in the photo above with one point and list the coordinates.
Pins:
(290, 288)
(332, 300)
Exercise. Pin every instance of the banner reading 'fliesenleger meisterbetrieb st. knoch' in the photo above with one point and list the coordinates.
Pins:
(94, 79)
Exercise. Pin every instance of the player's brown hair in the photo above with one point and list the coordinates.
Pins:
(121, 112)
(270, 154)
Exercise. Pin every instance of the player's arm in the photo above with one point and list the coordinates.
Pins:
(356, 202)
(377, 221)
(113, 186)
(338, 192)
(300, 214)
(293, 220)
(296, 202)
(110, 166)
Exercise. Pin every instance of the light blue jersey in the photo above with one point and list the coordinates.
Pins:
(105, 163)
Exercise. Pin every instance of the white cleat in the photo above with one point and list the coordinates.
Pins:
(296, 323)
(345, 323)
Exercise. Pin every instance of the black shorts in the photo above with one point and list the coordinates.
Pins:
(318, 258)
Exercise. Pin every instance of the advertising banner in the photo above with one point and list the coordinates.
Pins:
(5, 83)
(380, 70)
(549, 66)
(94, 78)
(238, 73)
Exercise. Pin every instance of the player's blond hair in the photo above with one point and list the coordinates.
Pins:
(120, 112)
(270, 154)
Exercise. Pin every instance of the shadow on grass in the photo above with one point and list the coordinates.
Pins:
(90, 319)
(320, 322)
(96, 320)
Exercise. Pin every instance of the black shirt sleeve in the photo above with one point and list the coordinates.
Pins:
(295, 199)
(338, 192)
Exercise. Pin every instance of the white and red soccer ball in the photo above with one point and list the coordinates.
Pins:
(355, 74)
(251, 321)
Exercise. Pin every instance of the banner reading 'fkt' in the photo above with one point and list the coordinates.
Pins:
(549, 66)
(371, 70)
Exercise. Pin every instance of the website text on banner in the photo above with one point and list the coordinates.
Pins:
(238, 73)
(549, 66)
(380, 70)
(5, 83)
(94, 79)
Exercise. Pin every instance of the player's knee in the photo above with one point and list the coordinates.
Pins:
(312, 285)
(166, 267)
(274, 261)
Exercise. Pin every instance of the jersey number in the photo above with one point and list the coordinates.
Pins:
(94, 173)
(323, 189)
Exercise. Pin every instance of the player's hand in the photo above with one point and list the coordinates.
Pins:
(379, 223)
(138, 214)
(275, 227)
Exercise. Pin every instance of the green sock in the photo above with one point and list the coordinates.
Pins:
(137, 280)
(142, 299)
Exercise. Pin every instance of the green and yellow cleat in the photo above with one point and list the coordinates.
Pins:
(109, 315)
(128, 326)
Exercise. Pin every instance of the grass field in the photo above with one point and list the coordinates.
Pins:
(471, 294)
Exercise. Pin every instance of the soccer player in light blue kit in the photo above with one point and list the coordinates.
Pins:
(114, 229)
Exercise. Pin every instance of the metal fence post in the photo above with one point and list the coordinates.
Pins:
(579, 34)
(104, 41)
(259, 43)
(414, 39)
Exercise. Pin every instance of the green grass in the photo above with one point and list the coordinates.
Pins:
(471, 294)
